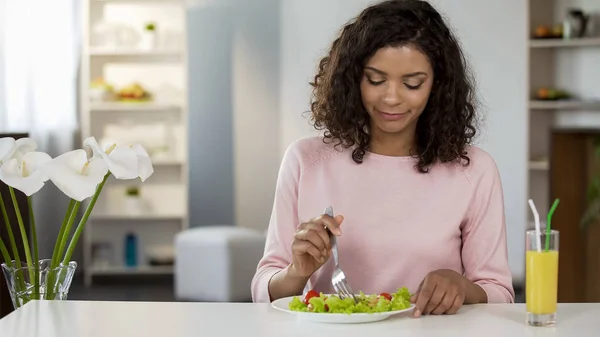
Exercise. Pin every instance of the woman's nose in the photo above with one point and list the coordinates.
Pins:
(392, 95)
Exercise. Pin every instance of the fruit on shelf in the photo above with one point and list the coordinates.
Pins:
(134, 92)
(557, 31)
(100, 83)
(542, 31)
(545, 32)
(545, 93)
(101, 91)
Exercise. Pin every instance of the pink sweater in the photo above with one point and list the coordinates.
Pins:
(398, 224)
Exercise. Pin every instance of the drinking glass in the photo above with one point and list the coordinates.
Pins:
(541, 277)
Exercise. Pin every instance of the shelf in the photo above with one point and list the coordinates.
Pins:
(139, 217)
(101, 51)
(167, 162)
(122, 270)
(139, 1)
(564, 43)
(539, 165)
(132, 106)
(564, 105)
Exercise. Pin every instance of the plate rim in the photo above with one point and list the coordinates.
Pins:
(337, 314)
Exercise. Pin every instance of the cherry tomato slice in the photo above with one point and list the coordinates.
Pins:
(309, 295)
(386, 295)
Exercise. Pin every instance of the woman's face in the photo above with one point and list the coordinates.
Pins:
(395, 88)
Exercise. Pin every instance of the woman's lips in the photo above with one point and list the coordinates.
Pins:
(389, 116)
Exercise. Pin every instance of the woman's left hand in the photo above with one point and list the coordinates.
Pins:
(444, 291)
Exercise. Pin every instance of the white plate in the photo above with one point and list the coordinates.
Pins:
(283, 305)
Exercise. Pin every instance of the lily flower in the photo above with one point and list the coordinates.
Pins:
(23, 146)
(11, 148)
(76, 175)
(145, 168)
(25, 173)
(7, 148)
(124, 162)
(121, 161)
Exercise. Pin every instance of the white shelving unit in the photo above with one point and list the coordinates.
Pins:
(132, 52)
(564, 105)
(141, 107)
(561, 43)
(111, 271)
(538, 165)
(114, 50)
(566, 64)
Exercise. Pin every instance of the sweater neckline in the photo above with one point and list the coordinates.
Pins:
(386, 158)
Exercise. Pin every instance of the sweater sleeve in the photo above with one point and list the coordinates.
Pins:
(282, 226)
(484, 252)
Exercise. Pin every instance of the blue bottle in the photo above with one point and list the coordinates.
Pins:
(131, 250)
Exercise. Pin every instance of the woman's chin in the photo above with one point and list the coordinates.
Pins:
(391, 127)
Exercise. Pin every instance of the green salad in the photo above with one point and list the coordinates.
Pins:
(320, 303)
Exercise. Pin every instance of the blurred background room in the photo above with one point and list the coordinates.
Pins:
(216, 90)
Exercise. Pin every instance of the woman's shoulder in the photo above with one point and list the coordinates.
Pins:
(481, 164)
(479, 156)
(310, 150)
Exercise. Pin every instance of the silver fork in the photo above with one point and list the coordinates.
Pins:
(338, 279)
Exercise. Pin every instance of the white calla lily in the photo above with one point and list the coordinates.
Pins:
(23, 146)
(27, 174)
(78, 176)
(7, 148)
(145, 168)
(122, 161)
(75, 175)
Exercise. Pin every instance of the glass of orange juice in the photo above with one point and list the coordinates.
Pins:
(541, 277)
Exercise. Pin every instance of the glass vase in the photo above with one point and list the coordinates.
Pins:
(39, 282)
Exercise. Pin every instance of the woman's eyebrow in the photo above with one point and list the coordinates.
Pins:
(381, 72)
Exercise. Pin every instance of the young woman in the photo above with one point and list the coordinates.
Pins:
(416, 204)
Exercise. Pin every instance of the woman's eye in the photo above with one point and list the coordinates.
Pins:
(413, 87)
(374, 82)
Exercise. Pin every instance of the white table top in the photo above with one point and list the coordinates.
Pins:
(150, 319)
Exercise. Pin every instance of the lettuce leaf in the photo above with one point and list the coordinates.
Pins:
(371, 303)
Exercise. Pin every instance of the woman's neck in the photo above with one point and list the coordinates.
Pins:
(392, 144)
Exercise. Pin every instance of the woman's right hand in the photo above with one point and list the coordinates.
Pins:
(311, 246)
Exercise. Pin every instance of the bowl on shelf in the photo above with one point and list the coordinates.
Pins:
(160, 255)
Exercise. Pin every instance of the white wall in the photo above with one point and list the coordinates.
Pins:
(499, 58)
(255, 110)
(307, 29)
(210, 34)
(234, 97)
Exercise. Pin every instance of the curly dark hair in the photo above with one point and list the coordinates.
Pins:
(447, 124)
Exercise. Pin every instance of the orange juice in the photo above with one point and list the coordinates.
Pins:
(541, 281)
